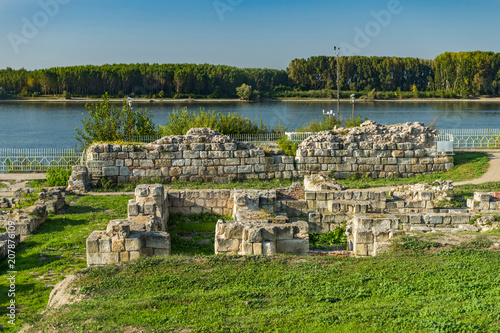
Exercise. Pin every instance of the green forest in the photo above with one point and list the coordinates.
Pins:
(459, 75)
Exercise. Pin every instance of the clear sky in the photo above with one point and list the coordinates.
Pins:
(243, 33)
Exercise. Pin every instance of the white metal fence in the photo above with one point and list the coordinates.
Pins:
(38, 160)
(471, 138)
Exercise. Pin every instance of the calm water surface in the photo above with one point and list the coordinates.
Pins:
(52, 125)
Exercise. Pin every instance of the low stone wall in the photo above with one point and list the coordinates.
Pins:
(52, 197)
(8, 241)
(257, 238)
(25, 221)
(371, 236)
(346, 201)
(484, 202)
(120, 243)
(372, 150)
(149, 207)
(201, 201)
(79, 181)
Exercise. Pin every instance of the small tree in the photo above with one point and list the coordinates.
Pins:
(108, 122)
(245, 92)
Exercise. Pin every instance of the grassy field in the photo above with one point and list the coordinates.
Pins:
(54, 250)
(448, 291)
(468, 166)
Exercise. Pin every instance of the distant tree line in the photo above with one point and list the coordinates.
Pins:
(449, 74)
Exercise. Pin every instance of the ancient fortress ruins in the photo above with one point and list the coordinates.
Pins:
(267, 222)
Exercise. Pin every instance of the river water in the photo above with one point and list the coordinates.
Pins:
(52, 125)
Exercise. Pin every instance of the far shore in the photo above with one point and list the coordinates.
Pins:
(194, 101)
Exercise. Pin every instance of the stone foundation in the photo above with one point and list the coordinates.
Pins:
(120, 243)
(261, 238)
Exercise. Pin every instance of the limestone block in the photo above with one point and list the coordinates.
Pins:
(92, 242)
(268, 234)
(227, 245)
(157, 239)
(379, 248)
(482, 197)
(268, 248)
(117, 244)
(252, 235)
(105, 244)
(134, 255)
(460, 219)
(161, 252)
(257, 249)
(124, 256)
(363, 237)
(134, 242)
(293, 246)
(110, 171)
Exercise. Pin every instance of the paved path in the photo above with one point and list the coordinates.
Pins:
(21, 176)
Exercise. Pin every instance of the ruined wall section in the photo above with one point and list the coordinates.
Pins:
(200, 155)
(372, 150)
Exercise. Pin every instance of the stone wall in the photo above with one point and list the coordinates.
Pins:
(149, 207)
(120, 243)
(25, 220)
(484, 202)
(200, 155)
(371, 236)
(372, 150)
(261, 238)
(201, 201)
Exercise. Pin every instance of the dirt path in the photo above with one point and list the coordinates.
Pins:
(16, 181)
(491, 175)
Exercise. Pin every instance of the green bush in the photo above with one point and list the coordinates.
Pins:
(331, 238)
(325, 123)
(288, 146)
(181, 121)
(110, 123)
(67, 94)
(354, 122)
(58, 176)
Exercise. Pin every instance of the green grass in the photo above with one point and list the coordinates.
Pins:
(55, 249)
(193, 234)
(468, 166)
(249, 184)
(450, 291)
(3, 185)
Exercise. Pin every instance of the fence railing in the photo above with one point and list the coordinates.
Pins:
(38, 160)
(471, 138)
(462, 138)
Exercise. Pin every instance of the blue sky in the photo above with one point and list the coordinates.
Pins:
(243, 33)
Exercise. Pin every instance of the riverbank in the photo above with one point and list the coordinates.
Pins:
(234, 100)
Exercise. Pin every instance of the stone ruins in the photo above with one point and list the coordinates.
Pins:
(372, 150)
(268, 222)
(22, 222)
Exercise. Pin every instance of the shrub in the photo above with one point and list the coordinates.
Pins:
(58, 176)
(288, 146)
(110, 123)
(325, 123)
(67, 94)
(181, 121)
(354, 122)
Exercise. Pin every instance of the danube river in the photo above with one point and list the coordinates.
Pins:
(52, 125)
